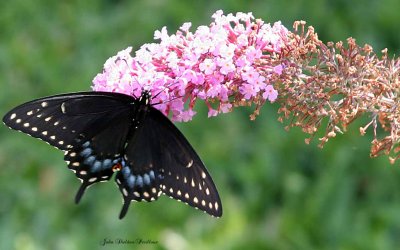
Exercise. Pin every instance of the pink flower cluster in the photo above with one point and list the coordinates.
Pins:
(227, 61)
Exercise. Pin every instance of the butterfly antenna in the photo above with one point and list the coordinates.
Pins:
(133, 93)
(166, 87)
(157, 103)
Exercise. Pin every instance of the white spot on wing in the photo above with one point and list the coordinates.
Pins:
(29, 113)
(26, 124)
(195, 200)
(63, 107)
(44, 104)
(92, 179)
(48, 119)
(44, 133)
(34, 129)
(13, 116)
(189, 164)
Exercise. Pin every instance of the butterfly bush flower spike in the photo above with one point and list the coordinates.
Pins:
(232, 62)
(240, 61)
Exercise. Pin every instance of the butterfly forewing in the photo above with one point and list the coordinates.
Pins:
(60, 119)
(161, 151)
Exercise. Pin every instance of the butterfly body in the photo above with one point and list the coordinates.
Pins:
(104, 133)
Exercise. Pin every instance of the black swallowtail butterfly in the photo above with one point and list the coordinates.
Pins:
(102, 133)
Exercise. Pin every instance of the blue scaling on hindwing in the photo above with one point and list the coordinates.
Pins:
(151, 173)
(137, 186)
(126, 172)
(89, 160)
(95, 163)
(146, 179)
(86, 144)
(96, 166)
(87, 165)
(86, 152)
(107, 163)
(131, 181)
(140, 181)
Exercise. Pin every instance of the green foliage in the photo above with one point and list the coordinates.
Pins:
(277, 192)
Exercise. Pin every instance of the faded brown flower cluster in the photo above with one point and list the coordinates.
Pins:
(338, 83)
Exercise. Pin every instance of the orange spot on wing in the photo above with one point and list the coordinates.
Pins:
(116, 167)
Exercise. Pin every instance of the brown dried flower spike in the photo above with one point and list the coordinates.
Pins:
(340, 82)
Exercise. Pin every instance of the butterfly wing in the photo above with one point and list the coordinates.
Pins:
(59, 119)
(91, 127)
(159, 159)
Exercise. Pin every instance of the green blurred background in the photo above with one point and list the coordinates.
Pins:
(277, 192)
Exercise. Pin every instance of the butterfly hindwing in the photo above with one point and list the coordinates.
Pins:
(139, 178)
(94, 159)
(161, 152)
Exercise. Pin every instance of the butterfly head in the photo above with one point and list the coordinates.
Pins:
(145, 97)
